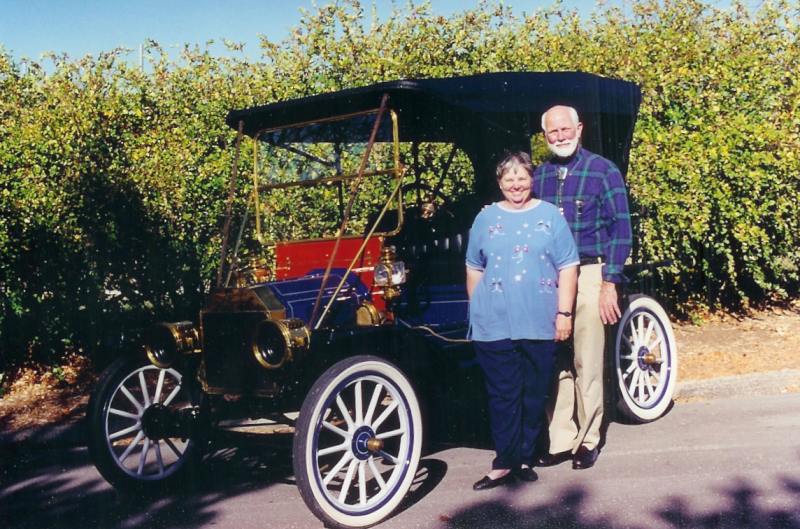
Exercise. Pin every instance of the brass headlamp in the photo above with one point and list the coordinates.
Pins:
(277, 342)
(165, 342)
(389, 274)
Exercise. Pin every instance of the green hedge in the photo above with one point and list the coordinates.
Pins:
(112, 179)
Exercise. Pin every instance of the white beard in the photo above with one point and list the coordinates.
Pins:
(564, 151)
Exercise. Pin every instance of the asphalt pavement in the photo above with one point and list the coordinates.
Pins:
(716, 460)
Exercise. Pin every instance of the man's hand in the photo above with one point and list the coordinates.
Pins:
(609, 307)
(563, 327)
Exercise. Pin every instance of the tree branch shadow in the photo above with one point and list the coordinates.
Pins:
(31, 497)
(45, 489)
(743, 511)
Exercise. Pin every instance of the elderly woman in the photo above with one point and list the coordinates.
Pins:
(521, 281)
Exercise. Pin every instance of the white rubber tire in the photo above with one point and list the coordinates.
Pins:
(360, 398)
(123, 454)
(645, 360)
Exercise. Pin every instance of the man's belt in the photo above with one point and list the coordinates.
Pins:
(592, 260)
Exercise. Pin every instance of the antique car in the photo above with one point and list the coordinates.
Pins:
(339, 308)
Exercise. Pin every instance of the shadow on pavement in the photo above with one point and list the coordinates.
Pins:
(743, 512)
(429, 474)
(59, 489)
(45, 489)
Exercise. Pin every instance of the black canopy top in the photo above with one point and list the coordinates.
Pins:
(478, 112)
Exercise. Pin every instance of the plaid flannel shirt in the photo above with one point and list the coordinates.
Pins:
(594, 202)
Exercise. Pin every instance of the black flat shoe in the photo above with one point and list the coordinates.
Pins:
(486, 483)
(549, 460)
(584, 458)
(527, 474)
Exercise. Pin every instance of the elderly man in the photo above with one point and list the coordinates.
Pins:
(590, 192)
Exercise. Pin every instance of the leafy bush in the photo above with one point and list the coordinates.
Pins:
(113, 179)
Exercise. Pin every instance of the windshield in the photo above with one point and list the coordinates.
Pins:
(306, 178)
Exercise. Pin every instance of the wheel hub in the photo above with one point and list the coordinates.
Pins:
(374, 444)
(159, 422)
(155, 420)
(365, 443)
(645, 358)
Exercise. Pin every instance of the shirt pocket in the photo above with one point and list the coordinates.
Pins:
(580, 208)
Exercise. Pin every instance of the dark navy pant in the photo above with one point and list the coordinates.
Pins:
(518, 377)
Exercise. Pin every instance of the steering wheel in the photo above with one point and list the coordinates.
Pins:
(433, 201)
(253, 272)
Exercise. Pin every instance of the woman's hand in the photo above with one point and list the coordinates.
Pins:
(563, 327)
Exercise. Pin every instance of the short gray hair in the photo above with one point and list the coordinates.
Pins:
(572, 114)
(511, 159)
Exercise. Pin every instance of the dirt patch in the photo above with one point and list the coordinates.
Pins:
(38, 396)
(720, 346)
(725, 345)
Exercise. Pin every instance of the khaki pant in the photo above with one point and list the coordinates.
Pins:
(576, 409)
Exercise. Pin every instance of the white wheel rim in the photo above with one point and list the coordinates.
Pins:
(645, 359)
(136, 454)
(352, 479)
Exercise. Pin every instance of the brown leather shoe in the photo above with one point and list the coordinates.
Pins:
(549, 460)
(584, 458)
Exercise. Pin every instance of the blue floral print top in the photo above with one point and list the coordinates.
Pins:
(520, 253)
